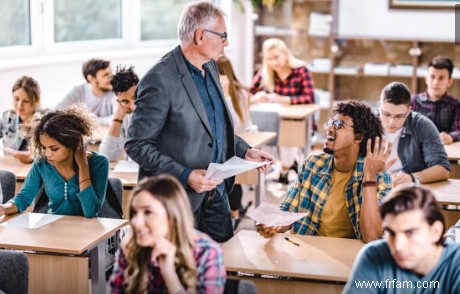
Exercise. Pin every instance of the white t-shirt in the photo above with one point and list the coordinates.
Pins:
(394, 139)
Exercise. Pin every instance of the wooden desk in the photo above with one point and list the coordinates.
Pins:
(296, 123)
(318, 265)
(59, 252)
(447, 193)
(453, 154)
(256, 140)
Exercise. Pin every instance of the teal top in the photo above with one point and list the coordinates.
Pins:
(65, 197)
(375, 271)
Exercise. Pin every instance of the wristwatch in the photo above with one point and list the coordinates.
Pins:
(416, 178)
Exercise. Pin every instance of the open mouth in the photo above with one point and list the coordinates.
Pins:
(330, 138)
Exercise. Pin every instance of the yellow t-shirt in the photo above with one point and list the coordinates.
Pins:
(335, 219)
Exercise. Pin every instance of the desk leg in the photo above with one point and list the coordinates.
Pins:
(98, 268)
(309, 121)
(260, 189)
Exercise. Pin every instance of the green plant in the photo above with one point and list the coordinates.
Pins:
(260, 3)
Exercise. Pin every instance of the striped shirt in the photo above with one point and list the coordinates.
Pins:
(298, 86)
(209, 264)
(310, 191)
(445, 113)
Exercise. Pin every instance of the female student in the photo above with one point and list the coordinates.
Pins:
(26, 101)
(164, 254)
(237, 98)
(74, 180)
(286, 80)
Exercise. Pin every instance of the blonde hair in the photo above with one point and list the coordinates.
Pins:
(172, 195)
(268, 74)
(225, 68)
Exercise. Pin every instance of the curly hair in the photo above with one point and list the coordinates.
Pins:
(172, 195)
(407, 198)
(68, 126)
(124, 79)
(366, 124)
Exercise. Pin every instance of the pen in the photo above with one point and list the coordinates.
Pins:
(289, 240)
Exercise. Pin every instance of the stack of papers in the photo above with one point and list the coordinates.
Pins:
(126, 166)
(271, 216)
(233, 166)
(31, 220)
(320, 24)
(376, 69)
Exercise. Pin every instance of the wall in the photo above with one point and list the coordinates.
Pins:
(374, 19)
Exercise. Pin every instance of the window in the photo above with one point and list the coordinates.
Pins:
(15, 23)
(86, 20)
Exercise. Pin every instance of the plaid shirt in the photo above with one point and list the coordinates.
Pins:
(209, 264)
(298, 86)
(445, 113)
(310, 191)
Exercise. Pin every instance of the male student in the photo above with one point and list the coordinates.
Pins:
(436, 104)
(181, 122)
(417, 148)
(341, 189)
(96, 93)
(413, 257)
(124, 84)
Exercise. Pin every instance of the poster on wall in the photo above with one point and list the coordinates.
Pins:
(423, 4)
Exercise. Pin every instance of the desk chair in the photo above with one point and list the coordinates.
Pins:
(14, 272)
(267, 121)
(8, 184)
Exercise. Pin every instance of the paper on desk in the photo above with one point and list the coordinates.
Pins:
(126, 166)
(271, 216)
(233, 166)
(31, 220)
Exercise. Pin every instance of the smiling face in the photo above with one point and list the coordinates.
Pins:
(437, 82)
(23, 104)
(56, 153)
(412, 241)
(341, 140)
(149, 219)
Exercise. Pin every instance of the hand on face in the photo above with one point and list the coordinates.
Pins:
(446, 138)
(376, 158)
(121, 110)
(165, 252)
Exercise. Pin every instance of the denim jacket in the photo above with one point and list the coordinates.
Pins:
(10, 127)
(420, 146)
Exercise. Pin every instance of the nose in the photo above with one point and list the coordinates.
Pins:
(399, 242)
(136, 221)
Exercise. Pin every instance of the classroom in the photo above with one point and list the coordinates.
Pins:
(229, 146)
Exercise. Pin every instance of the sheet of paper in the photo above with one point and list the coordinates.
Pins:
(271, 216)
(233, 166)
(126, 166)
(31, 220)
(13, 151)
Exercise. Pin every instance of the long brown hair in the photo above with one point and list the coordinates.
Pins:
(172, 195)
(234, 86)
(31, 87)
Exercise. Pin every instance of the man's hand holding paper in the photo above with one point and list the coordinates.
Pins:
(233, 166)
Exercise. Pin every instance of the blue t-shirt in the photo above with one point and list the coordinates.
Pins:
(375, 271)
(65, 197)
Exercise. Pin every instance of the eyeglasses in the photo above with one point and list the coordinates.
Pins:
(224, 36)
(337, 123)
(123, 102)
(395, 117)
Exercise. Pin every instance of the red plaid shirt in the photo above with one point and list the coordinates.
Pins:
(298, 86)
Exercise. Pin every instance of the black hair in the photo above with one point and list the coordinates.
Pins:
(442, 62)
(124, 79)
(396, 93)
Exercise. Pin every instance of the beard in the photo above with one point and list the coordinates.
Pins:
(102, 87)
(328, 150)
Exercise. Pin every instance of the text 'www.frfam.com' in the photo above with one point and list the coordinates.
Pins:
(396, 284)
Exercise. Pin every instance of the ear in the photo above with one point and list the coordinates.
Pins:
(198, 37)
(436, 231)
(358, 138)
(451, 81)
(90, 79)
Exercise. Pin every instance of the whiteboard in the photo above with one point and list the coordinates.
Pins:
(374, 19)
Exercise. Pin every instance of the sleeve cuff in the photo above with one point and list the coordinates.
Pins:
(184, 177)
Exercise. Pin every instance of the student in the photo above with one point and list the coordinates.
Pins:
(436, 104)
(181, 123)
(164, 254)
(26, 102)
(341, 189)
(453, 234)
(413, 258)
(417, 152)
(96, 93)
(286, 80)
(237, 98)
(74, 180)
(124, 84)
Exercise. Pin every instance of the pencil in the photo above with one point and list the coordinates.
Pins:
(289, 240)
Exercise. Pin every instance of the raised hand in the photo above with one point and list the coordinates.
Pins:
(376, 158)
